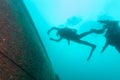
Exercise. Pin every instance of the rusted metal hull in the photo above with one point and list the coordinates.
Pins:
(22, 54)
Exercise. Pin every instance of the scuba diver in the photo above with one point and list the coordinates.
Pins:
(112, 33)
(71, 35)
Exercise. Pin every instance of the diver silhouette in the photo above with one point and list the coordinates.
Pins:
(71, 35)
(112, 33)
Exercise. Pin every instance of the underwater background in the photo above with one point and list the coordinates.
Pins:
(70, 61)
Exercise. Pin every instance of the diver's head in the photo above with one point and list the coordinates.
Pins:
(112, 22)
(109, 23)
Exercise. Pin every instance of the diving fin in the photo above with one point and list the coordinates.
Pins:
(105, 46)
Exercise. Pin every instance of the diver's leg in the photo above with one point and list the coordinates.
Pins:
(85, 34)
(93, 48)
(88, 44)
(92, 31)
(100, 31)
(105, 46)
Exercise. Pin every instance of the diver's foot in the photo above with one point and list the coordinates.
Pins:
(93, 48)
(88, 59)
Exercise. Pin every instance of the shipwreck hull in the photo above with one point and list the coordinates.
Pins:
(22, 54)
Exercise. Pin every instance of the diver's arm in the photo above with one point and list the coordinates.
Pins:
(105, 46)
(57, 40)
(53, 28)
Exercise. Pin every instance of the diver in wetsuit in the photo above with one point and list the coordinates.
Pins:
(71, 35)
(112, 33)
